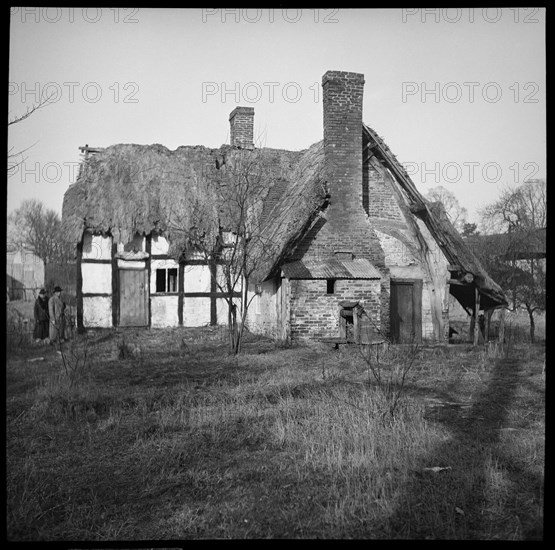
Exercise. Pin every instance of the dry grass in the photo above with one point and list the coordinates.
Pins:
(181, 441)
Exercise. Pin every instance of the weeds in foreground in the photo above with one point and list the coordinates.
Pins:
(75, 358)
(263, 446)
(389, 367)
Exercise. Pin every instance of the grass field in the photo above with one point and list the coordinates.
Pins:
(161, 435)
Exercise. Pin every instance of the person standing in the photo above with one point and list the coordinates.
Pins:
(41, 317)
(56, 311)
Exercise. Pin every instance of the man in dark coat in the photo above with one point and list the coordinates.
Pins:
(56, 311)
(41, 317)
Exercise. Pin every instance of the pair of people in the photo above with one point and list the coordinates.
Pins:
(49, 317)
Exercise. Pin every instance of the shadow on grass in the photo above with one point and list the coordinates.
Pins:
(475, 501)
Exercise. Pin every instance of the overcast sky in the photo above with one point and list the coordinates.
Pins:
(457, 94)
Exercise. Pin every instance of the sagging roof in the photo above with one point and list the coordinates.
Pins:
(433, 215)
(127, 188)
(358, 268)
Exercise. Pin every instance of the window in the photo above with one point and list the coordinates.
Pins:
(330, 286)
(166, 280)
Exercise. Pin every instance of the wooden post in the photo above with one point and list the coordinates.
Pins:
(488, 315)
(476, 313)
(356, 325)
(79, 289)
(148, 249)
(501, 336)
(115, 283)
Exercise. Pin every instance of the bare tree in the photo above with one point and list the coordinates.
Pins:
(221, 224)
(518, 260)
(40, 229)
(455, 212)
(13, 164)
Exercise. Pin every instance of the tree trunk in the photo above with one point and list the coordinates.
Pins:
(532, 325)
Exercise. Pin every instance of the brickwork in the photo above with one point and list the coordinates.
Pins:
(404, 253)
(241, 122)
(344, 226)
(315, 314)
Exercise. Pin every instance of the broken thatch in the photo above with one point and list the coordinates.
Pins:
(458, 254)
(127, 189)
(290, 207)
(463, 261)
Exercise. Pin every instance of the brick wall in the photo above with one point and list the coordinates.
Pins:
(344, 225)
(241, 122)
(315, 314)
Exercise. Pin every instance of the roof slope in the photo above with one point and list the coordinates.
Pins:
(442, 230)
(127, 188)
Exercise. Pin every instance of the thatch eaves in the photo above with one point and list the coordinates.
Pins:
(127, 188)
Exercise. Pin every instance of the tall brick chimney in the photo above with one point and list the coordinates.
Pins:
(241, 120)
(342, 94)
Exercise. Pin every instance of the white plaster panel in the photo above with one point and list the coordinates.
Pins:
(164, 311)
(196, 312)
(197, 278)
(97, 247)
(396, 252)
(159, 245)
(97, 311)
(222, 310)
(97, 278)
(131, 264)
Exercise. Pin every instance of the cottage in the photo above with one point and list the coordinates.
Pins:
(357, 253)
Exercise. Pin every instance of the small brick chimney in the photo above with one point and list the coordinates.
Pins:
(342, 95)
(241, 120)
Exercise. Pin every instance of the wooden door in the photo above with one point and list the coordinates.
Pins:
(133, 298)
(406, 311)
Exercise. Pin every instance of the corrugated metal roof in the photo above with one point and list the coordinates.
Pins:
(360, 268)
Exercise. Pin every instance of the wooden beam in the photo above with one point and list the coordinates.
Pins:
(79, 289)
(213, 292)
(148, 249)
(115, 283)
(476, 313)
(181, 290)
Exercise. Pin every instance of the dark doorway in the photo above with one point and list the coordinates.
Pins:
(406, 311)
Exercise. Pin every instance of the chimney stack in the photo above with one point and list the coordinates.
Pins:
(241, 121)
(342, 96)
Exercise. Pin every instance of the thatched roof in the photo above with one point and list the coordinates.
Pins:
(127, 189)
(290, 207)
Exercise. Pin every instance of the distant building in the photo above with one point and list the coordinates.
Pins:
(24, 272)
